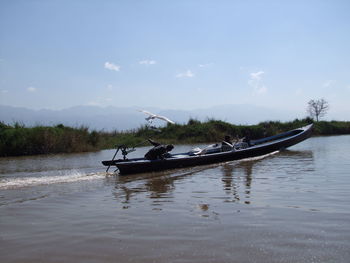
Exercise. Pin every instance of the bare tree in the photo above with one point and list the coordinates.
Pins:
(317, 108)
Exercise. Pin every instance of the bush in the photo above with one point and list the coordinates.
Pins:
(19, 140)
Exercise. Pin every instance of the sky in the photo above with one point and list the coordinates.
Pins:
(183, 54)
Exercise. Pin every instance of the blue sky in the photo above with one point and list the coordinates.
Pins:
(175, 54)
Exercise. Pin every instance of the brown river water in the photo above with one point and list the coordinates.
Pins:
(290, 206)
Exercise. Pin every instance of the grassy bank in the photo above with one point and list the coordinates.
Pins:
(19, 140)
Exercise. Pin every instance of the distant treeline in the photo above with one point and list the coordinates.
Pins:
(20, 140)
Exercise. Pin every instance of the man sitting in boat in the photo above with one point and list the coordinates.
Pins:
(159, 151)
(246, 139)
(226, 144)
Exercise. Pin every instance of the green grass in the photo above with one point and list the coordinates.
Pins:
(18, 140)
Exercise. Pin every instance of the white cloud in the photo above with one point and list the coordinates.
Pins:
(256, 82)
(187, 74)
(31, 89)
(329, 83)
(111, 66)
(257, 75)
(204, 65)
(261, 90)
(110, 87)
(147, 62)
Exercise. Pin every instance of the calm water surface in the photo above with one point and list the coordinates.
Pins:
(291, 206)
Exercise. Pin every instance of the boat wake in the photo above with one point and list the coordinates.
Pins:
(251, 159)
(68, 177)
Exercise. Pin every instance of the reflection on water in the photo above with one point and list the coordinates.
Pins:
(237, 177)
(158, 185)
(232, 183)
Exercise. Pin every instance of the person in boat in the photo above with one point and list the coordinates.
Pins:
(226, 144)
(246, 139)
(159, 151)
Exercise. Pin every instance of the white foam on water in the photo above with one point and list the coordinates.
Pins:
(70, 177)
(258, 157)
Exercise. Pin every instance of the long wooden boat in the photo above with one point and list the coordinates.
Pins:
(213, 154)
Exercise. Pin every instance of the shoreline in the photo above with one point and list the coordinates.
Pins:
(18, 140)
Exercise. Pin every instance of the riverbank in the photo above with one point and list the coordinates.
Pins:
(16, 140)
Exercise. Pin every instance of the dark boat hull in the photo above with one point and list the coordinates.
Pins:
(266, 146)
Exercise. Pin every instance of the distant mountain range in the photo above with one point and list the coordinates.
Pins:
(124, 118)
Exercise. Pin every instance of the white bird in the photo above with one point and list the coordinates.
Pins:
(153, 116)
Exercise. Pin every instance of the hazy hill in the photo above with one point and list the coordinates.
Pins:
(121, 118)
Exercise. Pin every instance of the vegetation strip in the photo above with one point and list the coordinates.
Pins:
(16, 139)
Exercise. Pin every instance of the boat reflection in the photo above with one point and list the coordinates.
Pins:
(156, 185)
(240, 175)
(232, 181)
(237, 179)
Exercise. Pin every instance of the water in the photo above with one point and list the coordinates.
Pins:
(290, 206)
